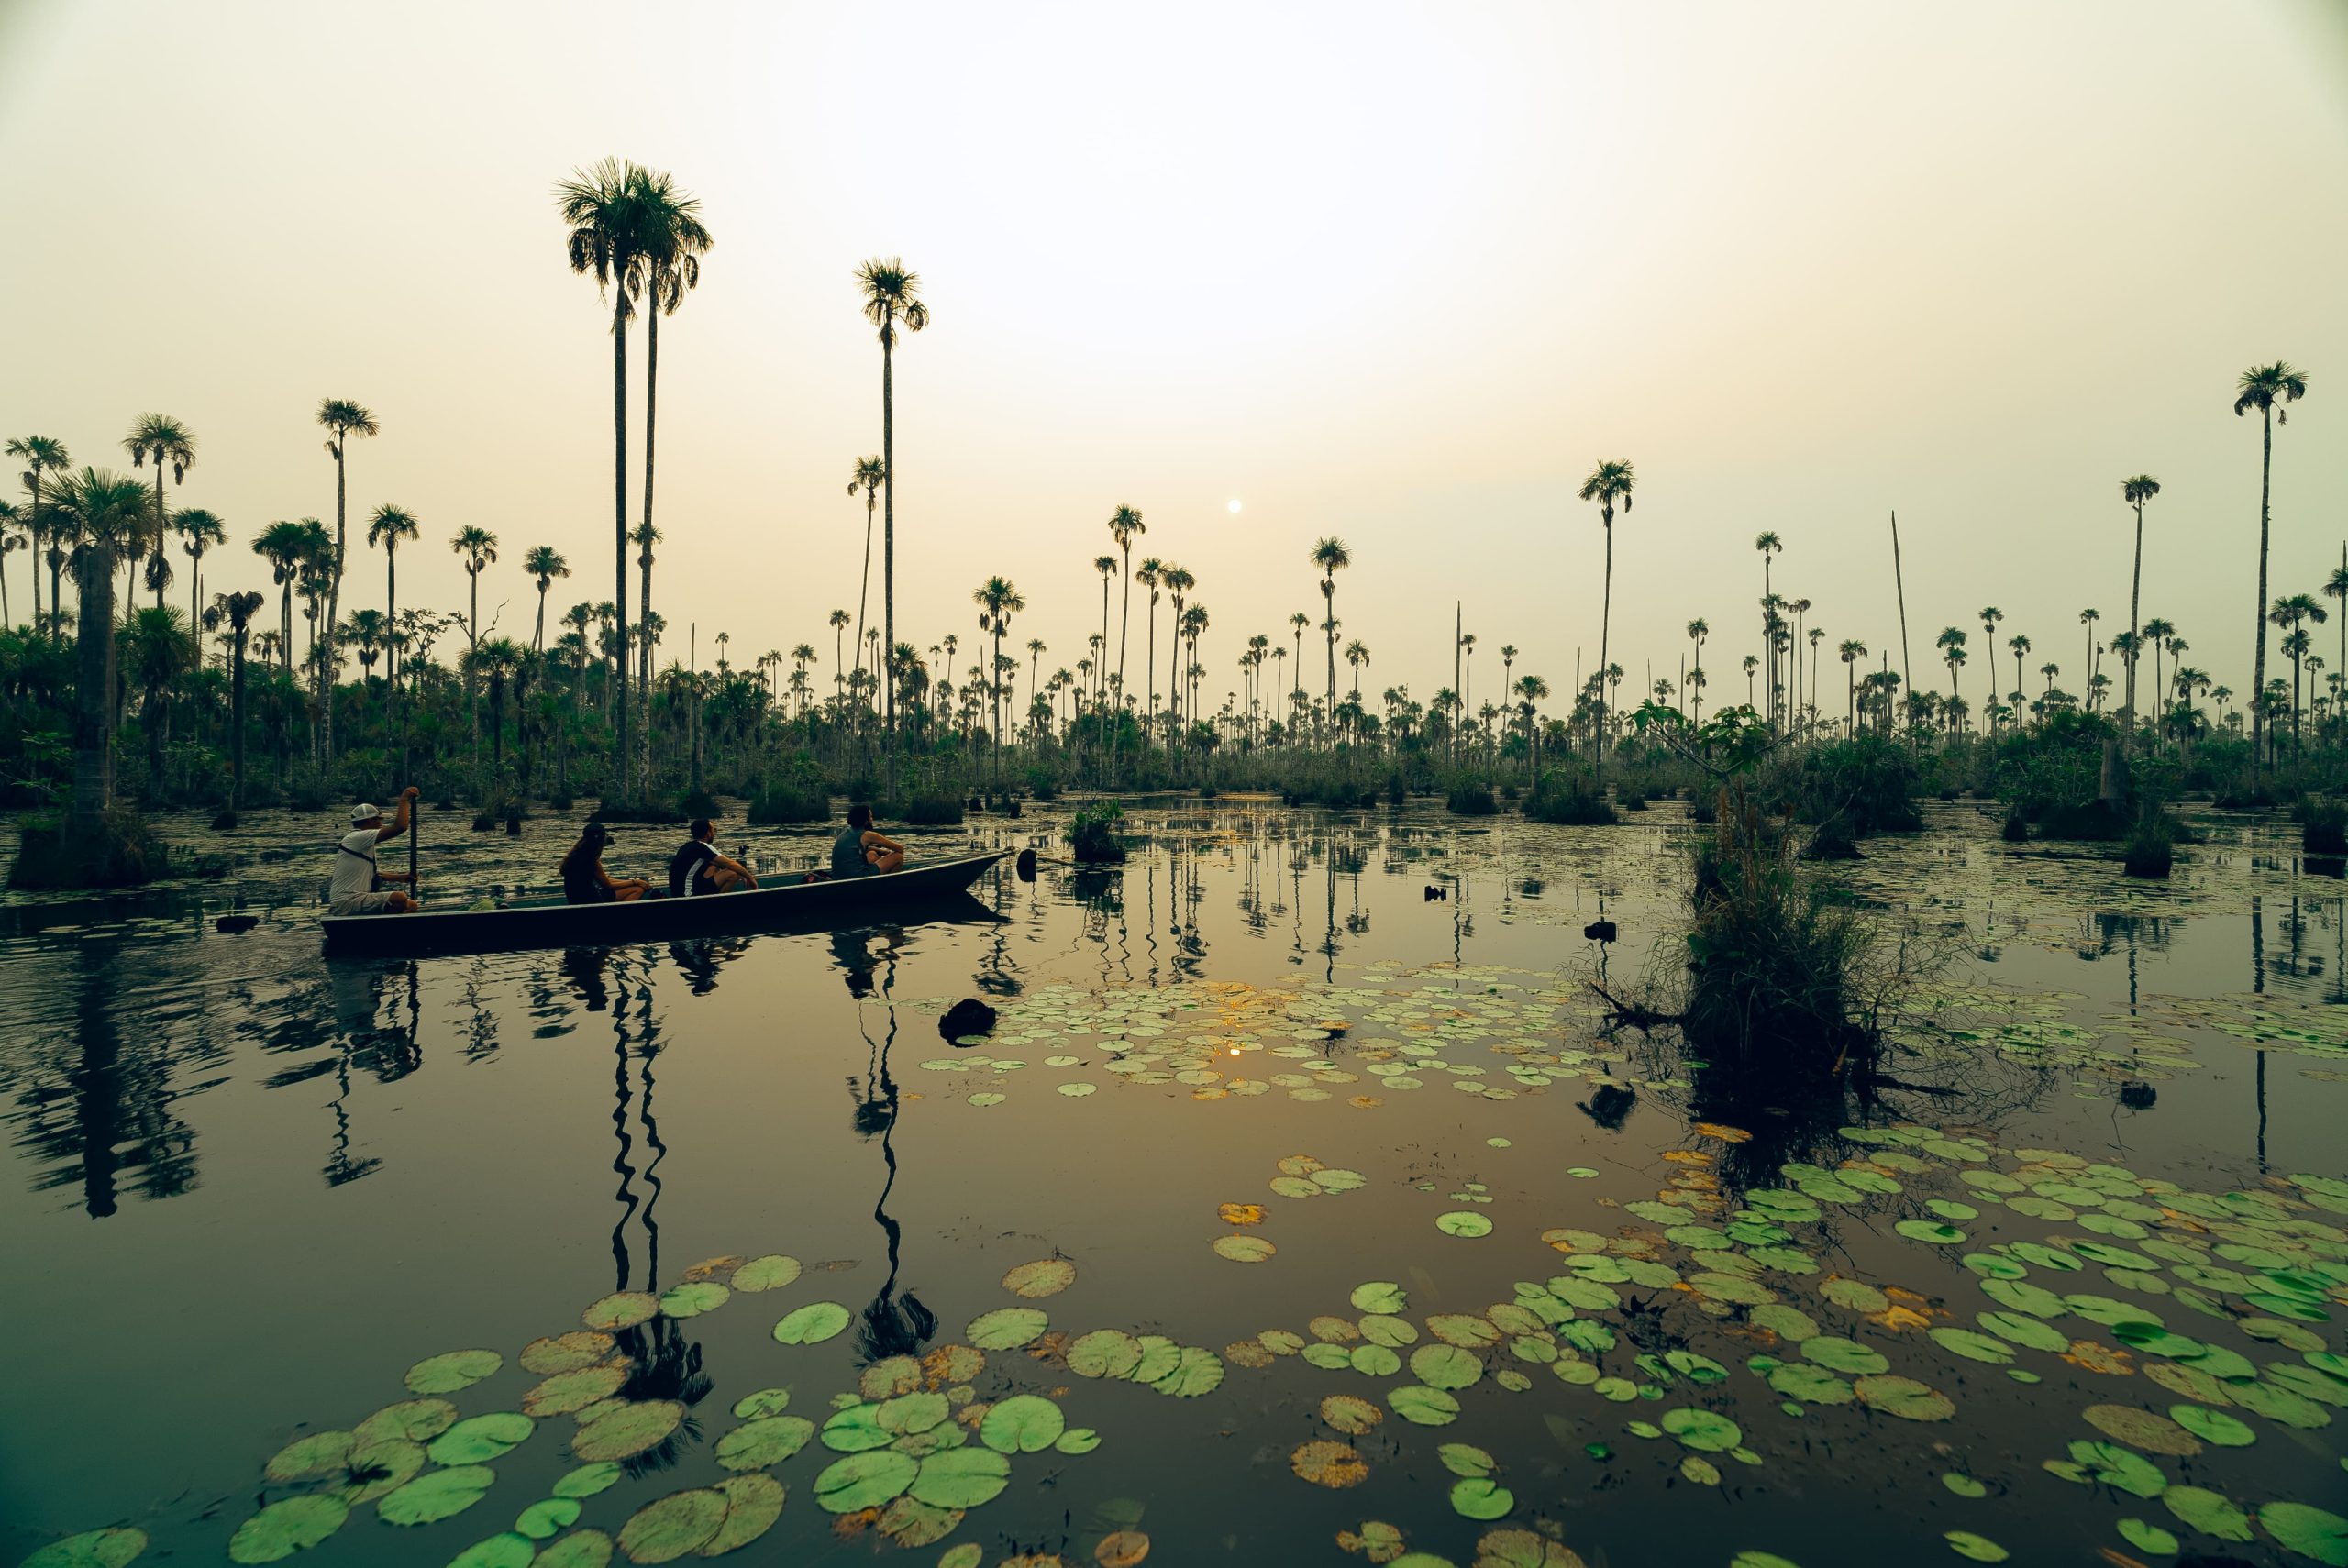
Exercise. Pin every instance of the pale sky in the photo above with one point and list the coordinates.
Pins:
(1398, 273)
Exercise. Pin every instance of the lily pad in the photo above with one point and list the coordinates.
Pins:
(770, 1272)
(440, 1495)
(1244, 1249)
(1326, 1463)
(622, 1310)
(810, 1324)
(625, 1429)
(1465, 1224)
(2308, 1531)
(693, 1297)
(453, 1370)
(580, 1548)
(1445, 1367)
(1904, 1397)
(1007, 1328)
(1034, 1280)
(1703, 1431)
(1481, 1499)
(286, 1527)
(1026, 1423)
(418, 1420)
(567, 1393)
(482, 1438)
(111, 1548)
(1103, 1353)
(769, 1441)
(867, 1480)
(673, 1526)
(547, 1517)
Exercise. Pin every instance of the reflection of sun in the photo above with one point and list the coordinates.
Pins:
(1235, 504)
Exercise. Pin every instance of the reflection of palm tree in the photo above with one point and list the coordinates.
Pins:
(890, 1325)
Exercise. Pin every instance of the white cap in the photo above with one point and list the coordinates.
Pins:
(363, 812)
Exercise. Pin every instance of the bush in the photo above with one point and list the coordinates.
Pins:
(2149, 852)
(1570, 799)
(126, 853)
(1631, 799)
(928, 809)
(1472, 801)
(1867, 781)
(1093, 835)
(1042, 784)
(2323, 826)
(789, 800)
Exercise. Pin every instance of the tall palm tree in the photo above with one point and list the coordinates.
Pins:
(2087, 618)
(997, 601)
(1178, 583)
(674, 242)
(343, 419)
(2271, 390)
(40, 454)
(106, 511)
(479, 548)
(160, 439)
(1107, 567)
(1329, 557)
(869, 475)
(644, 536)
(199, 530)
(1125, 525)
(1990, 616)
(1148, 575)
(838, 623)
(1852, 651)
(1769, 546)
(1297, 622)
(2291, 613)
(2156, 632)
(1609, 483)
(1951, 642)
(545, 563)
(238, 610)
(610, 236)
(12, 539)
(387, 527)
(1357, 655)
(283, 545)
(892, 297)
(2336, 587)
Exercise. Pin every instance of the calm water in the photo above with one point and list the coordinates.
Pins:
(247, 1189)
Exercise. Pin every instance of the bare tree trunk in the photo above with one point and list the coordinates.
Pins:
(2258, 677)
(93, 689)
(620, 753)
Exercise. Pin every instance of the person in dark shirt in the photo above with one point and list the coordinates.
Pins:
(697, 869)
(584, 880)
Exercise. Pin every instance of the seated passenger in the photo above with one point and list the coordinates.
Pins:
(697, 868)
(584, 880)
(861, 851)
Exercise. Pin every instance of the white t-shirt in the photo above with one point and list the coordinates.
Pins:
(354, 867)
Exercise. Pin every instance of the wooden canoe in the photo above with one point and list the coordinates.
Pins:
(791, 903)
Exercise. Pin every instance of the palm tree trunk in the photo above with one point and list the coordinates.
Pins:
(864, 584)
(92, 686)
(620, 752)
(391, 616)
(889, 523)
(2135, 607)
(2258, 674)
(1605, 628)
(236, 722)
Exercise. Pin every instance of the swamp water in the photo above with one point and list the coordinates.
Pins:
(1286, 1216)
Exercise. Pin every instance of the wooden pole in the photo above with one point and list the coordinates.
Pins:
(414, 822)
(1900, 582)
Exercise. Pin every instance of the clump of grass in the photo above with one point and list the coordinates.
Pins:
(1093, 835)
(1568, 798)
(2323, 826)
(2149, 850)
(927, 809)
(1472, 800)
(789, 800)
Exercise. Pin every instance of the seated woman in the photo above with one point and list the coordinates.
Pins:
(584, 880)
(861, 851)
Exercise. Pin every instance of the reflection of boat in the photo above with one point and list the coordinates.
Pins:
(791, 904)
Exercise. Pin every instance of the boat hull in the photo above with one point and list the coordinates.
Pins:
(796, 906)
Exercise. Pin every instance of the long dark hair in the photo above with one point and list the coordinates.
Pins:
(591, 839)
(859, 816)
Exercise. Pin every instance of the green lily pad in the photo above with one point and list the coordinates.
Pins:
(769, 1441)
(439, 1495)
(2308, 1531)
(307, 1457)
(567, 1393)
(1904, 1397)
(1196, 1371)
(548, 1518)
(1421, 1405)
(1445, 1367)
(2209, 1512)
(1481, 1499)
(447, 1372)
(693, 1297)
(1706, 1432)
(1809, 1385)
(1103, 1353)
(1466, 1459)
(111, 1548)
(510, 1548)
(1380, 1296)
(2213, 1427)
(1931, 1230)
(1465, 1224)
(2148, 1538)
(770, 1272)
(809, 1325)
(580, 1548)
(1844, 1355)
(481, 1437)
(1964, 1485)
(1973, 1346)
(625, 1429)
(1024, 1423)
(762, 1403)
(671, 1526)
(418, 1420)
(1007, 1328)
(753, 1503)
(622, 1310)
(960, 1477)
(1977, 1548)
(286, 1527)
(867, 1480)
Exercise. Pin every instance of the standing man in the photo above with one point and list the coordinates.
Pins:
(697, 868)
(351, 891)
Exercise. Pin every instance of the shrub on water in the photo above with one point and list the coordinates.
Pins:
(1868, 782)
(1568, 798)
(1042, 784)
(1092, 834)
(2323, 826)
(2149, 851)
(927, 809)
(795, 800)
(1472, 800)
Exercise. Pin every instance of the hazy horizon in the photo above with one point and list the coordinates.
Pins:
(1402, 281)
